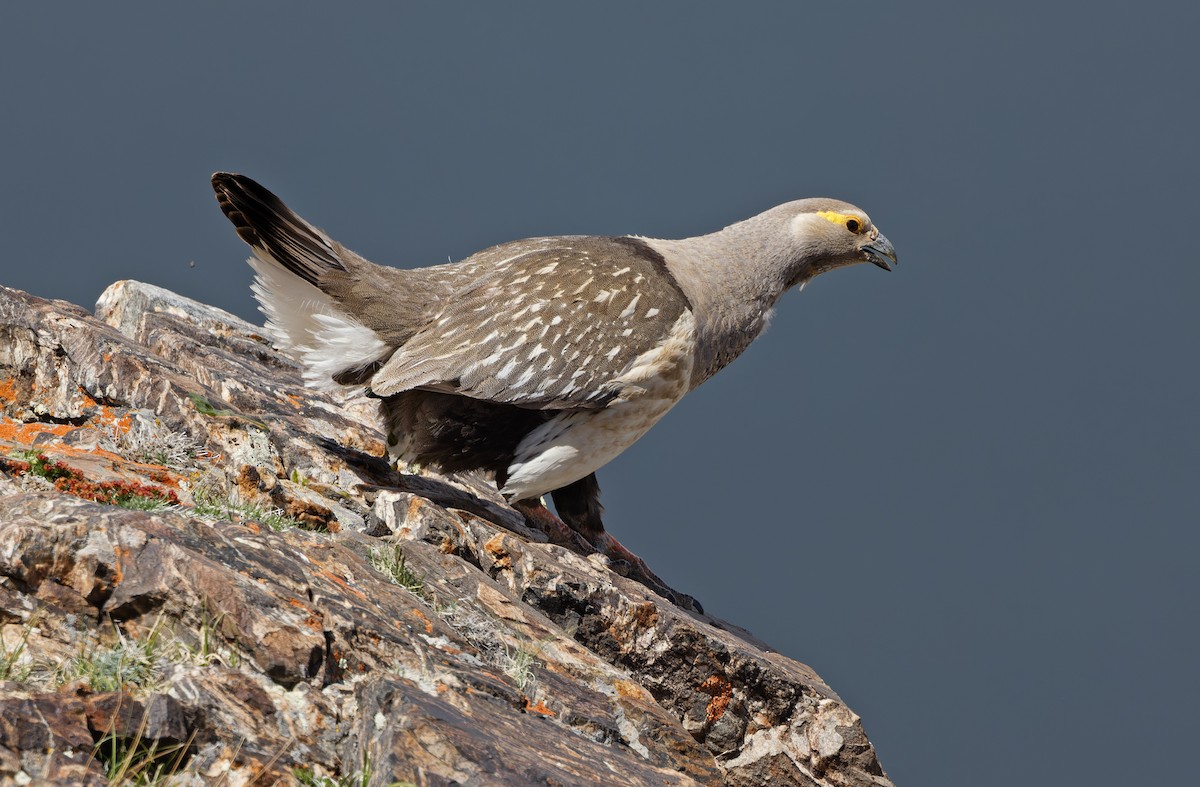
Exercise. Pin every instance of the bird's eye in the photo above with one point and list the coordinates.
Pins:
(854, 225)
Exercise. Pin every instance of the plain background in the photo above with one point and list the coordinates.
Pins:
(965, 492)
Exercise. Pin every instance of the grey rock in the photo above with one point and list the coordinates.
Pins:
(494, 657)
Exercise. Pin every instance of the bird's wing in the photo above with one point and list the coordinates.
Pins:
(548, 325)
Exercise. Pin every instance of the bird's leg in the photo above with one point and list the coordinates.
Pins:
(579, 506)
(541, 518)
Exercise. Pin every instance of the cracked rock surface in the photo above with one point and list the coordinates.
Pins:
(271, 602)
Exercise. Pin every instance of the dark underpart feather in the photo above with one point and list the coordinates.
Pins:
(458, 433)
(359, 375)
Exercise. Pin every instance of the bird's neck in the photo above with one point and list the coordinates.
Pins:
(733, 281)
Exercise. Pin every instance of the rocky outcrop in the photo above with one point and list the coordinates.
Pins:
(208, 570)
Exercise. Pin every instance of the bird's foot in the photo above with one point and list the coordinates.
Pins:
(620, 559)
(538, 517)
(630, 565)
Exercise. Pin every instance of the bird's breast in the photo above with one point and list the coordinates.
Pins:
(576, 443)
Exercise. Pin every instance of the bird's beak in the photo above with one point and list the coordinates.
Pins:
(879, 251)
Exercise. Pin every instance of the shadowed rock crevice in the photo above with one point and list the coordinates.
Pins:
(78, 420)
(306, 608)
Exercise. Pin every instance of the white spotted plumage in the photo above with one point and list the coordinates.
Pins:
(549, 352)
(575, 443)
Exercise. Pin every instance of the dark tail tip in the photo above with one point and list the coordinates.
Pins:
(234, 194)
(263, 221)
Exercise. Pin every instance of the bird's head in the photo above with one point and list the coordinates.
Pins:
(825, 234)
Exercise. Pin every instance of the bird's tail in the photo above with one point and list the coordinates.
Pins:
(296, 263)
(276, 234)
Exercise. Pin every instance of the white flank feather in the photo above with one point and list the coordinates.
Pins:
(339, 345)
(305, 323)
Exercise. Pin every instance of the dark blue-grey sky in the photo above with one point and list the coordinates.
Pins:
(965, 492)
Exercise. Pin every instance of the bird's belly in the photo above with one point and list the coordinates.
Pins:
(577, 443)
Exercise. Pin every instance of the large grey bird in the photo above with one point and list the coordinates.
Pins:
(539, 360)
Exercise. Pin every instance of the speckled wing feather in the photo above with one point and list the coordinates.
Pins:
(544, 323)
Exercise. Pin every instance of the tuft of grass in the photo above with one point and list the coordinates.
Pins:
(390, 561)
(484, 632)
(360, 778)
(11, 666)
(122, 662)
(517, 663)
(309, 778)
(273, 518)
(127, 663)
(208, 648)
(151, 442)
(143, 503)
(135, 762)
(132, 663)
(213, 504)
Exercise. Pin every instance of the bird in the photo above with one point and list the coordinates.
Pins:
(537, 360)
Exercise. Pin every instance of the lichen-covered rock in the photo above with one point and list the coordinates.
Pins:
(305, 610)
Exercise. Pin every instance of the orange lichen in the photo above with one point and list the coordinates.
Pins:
(122, 554)
(494, 546)
(118, 420)
(163, 477)
(645, 615)
(101, 452)
(721, 692)
(629, 689)
(421, 616)
(539, 707)
(24, 434)
(343, 584)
